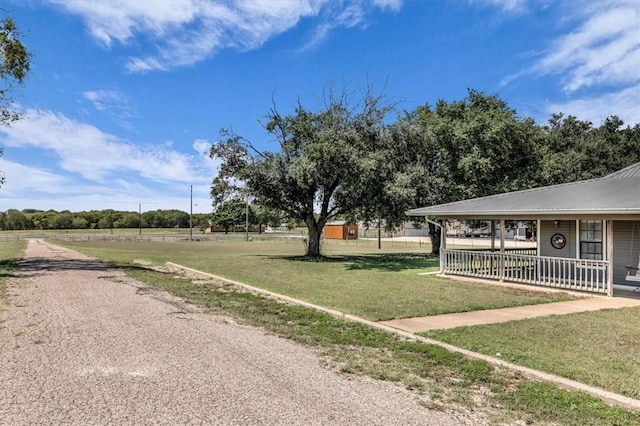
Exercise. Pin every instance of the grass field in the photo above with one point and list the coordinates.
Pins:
(355, 279)
(10, 253)
(597, 348)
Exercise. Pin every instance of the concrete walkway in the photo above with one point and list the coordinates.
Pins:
(493, 316)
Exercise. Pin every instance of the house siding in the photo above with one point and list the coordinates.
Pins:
(566, 228)
(626, 244)
(626, 248)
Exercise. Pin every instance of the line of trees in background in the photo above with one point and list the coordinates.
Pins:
(237, 211)
(30, 219)
(228, 217)
(349, 161)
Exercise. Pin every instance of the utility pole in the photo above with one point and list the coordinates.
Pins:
(191, 214)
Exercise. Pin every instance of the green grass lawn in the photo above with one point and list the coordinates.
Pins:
(10, 253)
(597, 348)
(355, 279)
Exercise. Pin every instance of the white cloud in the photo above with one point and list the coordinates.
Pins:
(98, 156)
(104, 99)
(34, 187)
(394, 5)
(596, 109)
(118, 20)
(115, 104)
(96, 170)
(188, 31)
(509, 6)
(596, 62)
(603, 50)
(29, 187)
(202, 147)
(20, 177)
(348, 14)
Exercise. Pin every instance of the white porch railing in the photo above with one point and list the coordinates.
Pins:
(570, 274)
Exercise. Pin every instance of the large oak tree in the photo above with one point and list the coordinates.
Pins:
(14, 67)
(327, 164)
(465, 149)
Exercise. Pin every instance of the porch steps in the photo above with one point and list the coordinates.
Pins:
(494, 316)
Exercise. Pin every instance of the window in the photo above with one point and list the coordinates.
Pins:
(591, 239)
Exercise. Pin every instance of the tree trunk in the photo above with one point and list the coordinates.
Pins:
(313, 242)
(435, 235)
(379, 235)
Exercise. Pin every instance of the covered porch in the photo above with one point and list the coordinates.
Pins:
(587, 235)
(532, 263)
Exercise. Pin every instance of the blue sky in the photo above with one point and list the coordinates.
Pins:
(126, 97)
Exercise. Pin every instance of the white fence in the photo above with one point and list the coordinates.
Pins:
(556, 272)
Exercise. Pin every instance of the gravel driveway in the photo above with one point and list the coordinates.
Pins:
(83, 344)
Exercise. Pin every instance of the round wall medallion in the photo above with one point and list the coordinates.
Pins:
(558, 241)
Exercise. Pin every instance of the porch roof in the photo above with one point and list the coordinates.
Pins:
(617, 194)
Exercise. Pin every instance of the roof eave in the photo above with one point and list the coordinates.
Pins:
(528, 214)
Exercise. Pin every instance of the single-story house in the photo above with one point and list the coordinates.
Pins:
(587, 235)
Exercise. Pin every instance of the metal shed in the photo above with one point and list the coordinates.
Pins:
(341, 230)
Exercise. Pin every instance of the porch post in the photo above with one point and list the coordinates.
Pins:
(609, 236)
(443, 245)
(502, 263)
(492, 231)
(538, 224)
(538, 249)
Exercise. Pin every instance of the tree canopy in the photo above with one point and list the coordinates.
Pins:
(14, 67)
(464, 149)
(352, 163)
(231, 213)
(326, 161)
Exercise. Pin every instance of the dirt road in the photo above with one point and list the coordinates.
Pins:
(83, 344)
